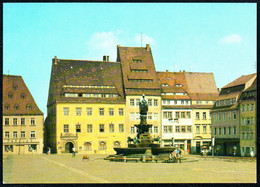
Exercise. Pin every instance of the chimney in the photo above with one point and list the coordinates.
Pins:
(107, 58)
(55, 60)
(104, 58)
(148, 47)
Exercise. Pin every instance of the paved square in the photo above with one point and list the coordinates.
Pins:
(66, 169)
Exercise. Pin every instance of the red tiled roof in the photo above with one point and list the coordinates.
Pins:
(84, 73)
(9, 81)
(127, 55)
(241, 80)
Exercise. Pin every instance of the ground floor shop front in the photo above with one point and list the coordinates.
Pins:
(227, 147)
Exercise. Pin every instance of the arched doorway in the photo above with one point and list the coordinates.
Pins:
(68, 147)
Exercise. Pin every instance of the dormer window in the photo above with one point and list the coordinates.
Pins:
(16, 106)
(15, 87)
(10, 95)
(28, 107)
(137, 60)
(165, 84)
(169, 78)
(7, 106)
(23, 96)
(178, 85)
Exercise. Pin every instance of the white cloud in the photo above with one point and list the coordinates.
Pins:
(145, 40)
(102, 43)
(233, 38)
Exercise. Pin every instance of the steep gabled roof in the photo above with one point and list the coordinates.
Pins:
(240, 81)
(138, 68)
(79, 76)
(15, 92)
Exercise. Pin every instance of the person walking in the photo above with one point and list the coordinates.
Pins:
(73, 152)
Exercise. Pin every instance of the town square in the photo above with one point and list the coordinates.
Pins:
(96, 93)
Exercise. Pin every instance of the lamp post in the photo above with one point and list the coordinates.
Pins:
(213, 143)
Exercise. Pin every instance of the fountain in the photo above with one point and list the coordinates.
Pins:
(143, 144)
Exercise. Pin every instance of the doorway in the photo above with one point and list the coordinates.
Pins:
(68, 147)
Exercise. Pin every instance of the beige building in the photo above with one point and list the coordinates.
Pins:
(139, 77)
(22, 119)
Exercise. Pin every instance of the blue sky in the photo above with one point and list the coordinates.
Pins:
(198, 37)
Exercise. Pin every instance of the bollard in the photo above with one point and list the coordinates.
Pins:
(143, 158)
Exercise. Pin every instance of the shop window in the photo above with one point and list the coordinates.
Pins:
(9, 148)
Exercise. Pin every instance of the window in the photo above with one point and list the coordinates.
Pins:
(111, 111)
(89, 111)
(103, 95)
(137, 60)
(137, 115)
(87, 146)
(224, 116)
(252, 107)
(78, 111)
(182, 102)
(197, 129)
(177, 114)
(155, 129)
(229, 115)
(155, 102)
(121, 111)
(234, 130)
(132, 102)
(150, 116)
(182, 114)
(149, 102)
(102, 146)
(234, 115)
(101, 128)
(89, 128)
(6, 134)
(6, 121)
(183, 129)
(116, 144)
(22, 121)
(66, 111)
(175, 102)
(132, 130)
(66, 128)
(32, 121)
(219, 116)
(188, 128)
(219, 131)
(15, 134)
(10, 95)
(165, 84)
(247, 107)
(252, 121)
(111, 127)
(15, 87)
(215, 131)
(167, 115)
(101, 111)
(78, 128)
(197, 115)
(165, 129)
(229, 130)
(16, 106)
(23, 96)
(204, 115)
(132, 115)
(224, 131)
(248, 121)
(177, 129)
(170, 129)
(7, 106)
(155, 116)
(33, 134)
(188, 114)
(204, 129)
(137, 102)
(22, 134)
(28, 107)
(121, 128)
(243, 108)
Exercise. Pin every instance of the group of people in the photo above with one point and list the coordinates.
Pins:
(175, 156)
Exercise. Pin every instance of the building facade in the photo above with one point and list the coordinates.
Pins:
(86, 107)
(248, 118)
(22, 119)
(139, 77)
(226, 116)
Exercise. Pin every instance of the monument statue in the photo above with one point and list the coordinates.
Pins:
(143, 108)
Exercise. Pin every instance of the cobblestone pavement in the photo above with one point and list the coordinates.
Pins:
(64, 168)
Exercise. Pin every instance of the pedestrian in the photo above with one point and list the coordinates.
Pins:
(73, 152)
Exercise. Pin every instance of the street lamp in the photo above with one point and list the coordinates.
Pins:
(213, 144)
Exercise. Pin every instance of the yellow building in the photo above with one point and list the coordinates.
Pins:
(22, 119)
(248, 133)
(86, 107)
(139, 77)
